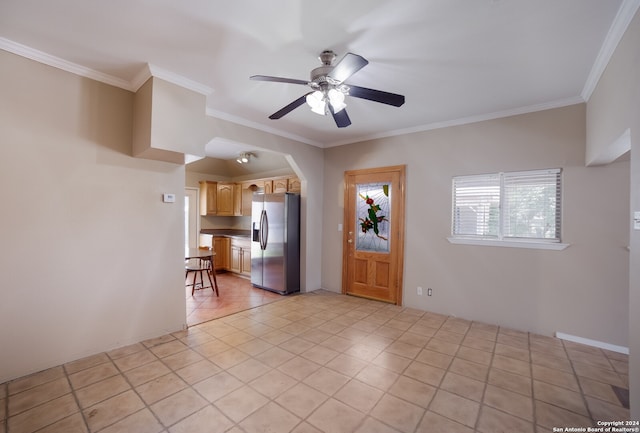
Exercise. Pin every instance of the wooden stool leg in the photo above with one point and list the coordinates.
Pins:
(211, 283)
(212, 271)
(215, 281)
(201, 280)
(193, 286)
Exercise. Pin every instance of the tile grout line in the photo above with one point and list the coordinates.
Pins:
(582, 394)
(400, 374)
(453, 357)
(75, 397)
(486, 381)
(534, 411)
(133, 388)
(6, 407)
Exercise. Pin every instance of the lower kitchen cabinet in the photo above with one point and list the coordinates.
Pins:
(221, 247)
(240, 260)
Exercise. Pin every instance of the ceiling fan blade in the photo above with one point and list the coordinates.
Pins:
(289, 108)
(376, 95)
(278, 79)
(341, 117)
(349, 65)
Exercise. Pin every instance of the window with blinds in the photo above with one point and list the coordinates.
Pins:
(522, 205)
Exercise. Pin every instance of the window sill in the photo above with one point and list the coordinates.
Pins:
(509, 244)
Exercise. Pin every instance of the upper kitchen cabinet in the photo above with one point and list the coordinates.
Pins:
(293, 185)
(216, 198)
(208, 197)
(268, 186)
(246, 195)
(225, 199)
(280, 185)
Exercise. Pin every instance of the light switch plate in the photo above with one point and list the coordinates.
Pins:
(636, 220)
(169, 198)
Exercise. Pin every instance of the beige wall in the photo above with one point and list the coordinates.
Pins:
(613, 108)
(581, 291)
(90, 257)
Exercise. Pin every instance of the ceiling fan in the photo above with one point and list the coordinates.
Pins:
(329, 88)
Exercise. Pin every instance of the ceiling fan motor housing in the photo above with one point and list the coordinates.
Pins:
(319, 74)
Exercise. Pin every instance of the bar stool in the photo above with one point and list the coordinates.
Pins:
(198, 266)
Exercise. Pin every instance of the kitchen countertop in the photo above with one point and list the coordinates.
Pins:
(231, 233)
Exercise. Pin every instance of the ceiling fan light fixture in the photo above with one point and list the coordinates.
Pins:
(336, 99)
(317, 102)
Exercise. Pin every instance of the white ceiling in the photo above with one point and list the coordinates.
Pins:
(455, 60)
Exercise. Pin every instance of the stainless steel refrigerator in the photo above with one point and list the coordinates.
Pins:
(275, 246)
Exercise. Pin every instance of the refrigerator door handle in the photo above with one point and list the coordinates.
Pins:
(265, 230)
(260, 229)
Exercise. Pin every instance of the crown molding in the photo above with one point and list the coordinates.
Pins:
(57, 62)
(255, 125)
(149, 70)
(141, 77)
(466, 120)
(146, 72)
(619, 26)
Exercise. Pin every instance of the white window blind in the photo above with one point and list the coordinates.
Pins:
(531, 205)
(476, 202)
(517, 205)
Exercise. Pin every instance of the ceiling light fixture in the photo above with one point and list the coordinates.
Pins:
(243, 158)
(319, 100)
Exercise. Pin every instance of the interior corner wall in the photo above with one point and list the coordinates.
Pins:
(610, 109)
(634, 276)
(90, 259)
(177, 119)
(540, 291)
(613, 108)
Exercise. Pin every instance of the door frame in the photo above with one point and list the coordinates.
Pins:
(194, 204)
(399, 236)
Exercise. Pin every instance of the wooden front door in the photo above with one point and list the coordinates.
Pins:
(373, 247)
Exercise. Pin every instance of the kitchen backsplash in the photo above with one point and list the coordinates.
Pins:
(229, 222)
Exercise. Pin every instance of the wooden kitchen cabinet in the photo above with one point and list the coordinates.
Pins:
(208, 197)
(293, 185)
(237, 200)
(246, 262)
(248, 188)
(221, 248)
(268, 186)
(225, 199)
(280, 185)
(240, 260)
(217, 198)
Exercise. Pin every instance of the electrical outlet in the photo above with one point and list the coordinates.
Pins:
(419, 290)
(429, 291)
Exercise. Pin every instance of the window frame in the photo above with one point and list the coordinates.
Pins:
(500, 239)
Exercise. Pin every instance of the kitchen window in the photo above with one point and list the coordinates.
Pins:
(514, 209)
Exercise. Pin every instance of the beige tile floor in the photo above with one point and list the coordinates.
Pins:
(323, 362)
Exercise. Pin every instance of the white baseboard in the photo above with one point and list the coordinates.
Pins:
(594, 343)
